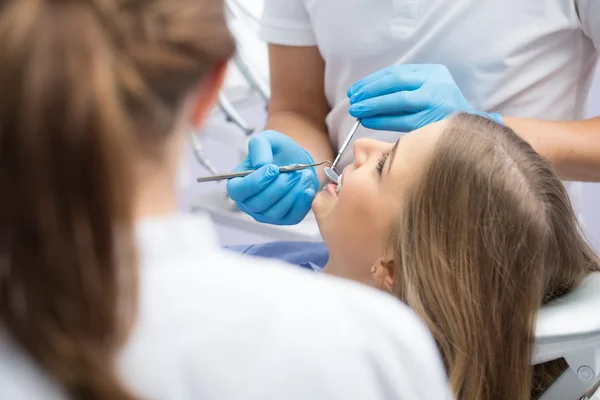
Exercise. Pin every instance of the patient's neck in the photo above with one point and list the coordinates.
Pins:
(345, 270)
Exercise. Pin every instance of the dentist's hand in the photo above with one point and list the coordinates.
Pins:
(403, 98)
(267, 195)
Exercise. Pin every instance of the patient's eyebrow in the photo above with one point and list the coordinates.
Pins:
(392, 154)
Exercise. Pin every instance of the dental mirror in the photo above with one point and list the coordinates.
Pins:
(332, 175)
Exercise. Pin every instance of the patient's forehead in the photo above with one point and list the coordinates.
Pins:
(415, 148)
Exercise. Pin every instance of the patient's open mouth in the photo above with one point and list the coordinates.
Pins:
(338, 187)
(332, 189)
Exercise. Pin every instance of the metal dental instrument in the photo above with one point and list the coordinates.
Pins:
(332, 175)
(346, 143)
(287, 168)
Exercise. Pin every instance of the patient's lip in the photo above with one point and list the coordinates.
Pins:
(331, 189)
(343, 174)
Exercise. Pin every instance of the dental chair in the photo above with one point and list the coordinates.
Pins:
(569, 328)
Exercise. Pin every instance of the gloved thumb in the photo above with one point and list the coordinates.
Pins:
(260, 151)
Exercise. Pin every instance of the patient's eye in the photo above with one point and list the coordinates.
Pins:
(382, 159)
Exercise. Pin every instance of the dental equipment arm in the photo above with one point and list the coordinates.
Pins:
(232, 115)
(200, 156)
(252, 76)
(573, 147)
(236, 11)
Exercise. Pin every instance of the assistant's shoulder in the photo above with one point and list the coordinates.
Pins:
(297, 333)
(336, 332)
(335, 311)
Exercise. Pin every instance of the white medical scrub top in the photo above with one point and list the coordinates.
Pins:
(522, 58)
(216, 325)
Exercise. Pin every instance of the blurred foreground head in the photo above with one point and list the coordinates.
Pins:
(89, 88)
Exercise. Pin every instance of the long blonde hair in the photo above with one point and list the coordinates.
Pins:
(85, 83)
(485, 237)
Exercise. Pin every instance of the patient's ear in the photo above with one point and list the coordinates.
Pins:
(383, 273)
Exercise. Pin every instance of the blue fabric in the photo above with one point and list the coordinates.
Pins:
(309, 255)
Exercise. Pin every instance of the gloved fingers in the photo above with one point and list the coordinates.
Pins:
(289, 209)
(392, 83)
(392, 69)
(240, 189)
(397, 123)
(370, 78)
(270, 195)
(278, 141)
(406, 102)
(300, 208)
(260, 151)
(272, 147)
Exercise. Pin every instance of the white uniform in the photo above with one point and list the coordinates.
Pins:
(522, 58)
(215, 325)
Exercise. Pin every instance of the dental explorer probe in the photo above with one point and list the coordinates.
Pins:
(287, 168)
(346, 143)
(330, 171)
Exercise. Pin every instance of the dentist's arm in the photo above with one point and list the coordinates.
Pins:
(573, 147)
(296, 135)
(298, 106)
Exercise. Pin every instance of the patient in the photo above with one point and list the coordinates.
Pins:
(464, 222)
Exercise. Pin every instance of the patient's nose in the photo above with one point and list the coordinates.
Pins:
(364, 149)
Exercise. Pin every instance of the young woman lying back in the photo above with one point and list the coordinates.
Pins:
(467, 224)
(464, 222)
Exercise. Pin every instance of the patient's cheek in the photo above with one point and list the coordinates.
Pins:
(322, 206)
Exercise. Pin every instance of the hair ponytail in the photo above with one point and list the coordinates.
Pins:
(67, 258)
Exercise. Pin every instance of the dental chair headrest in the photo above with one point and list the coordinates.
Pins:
(570, 322)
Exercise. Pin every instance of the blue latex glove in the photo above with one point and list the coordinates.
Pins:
(403, 98)
(267, 195)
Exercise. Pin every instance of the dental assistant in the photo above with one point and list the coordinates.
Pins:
(399, 64)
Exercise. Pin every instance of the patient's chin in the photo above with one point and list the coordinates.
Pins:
(323, 204)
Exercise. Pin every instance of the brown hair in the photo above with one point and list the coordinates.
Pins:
(79, 79)
(486, 236)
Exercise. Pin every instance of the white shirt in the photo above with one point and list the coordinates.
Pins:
(522, 58)
(215, 325)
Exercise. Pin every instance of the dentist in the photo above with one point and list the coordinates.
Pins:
(399, 64)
